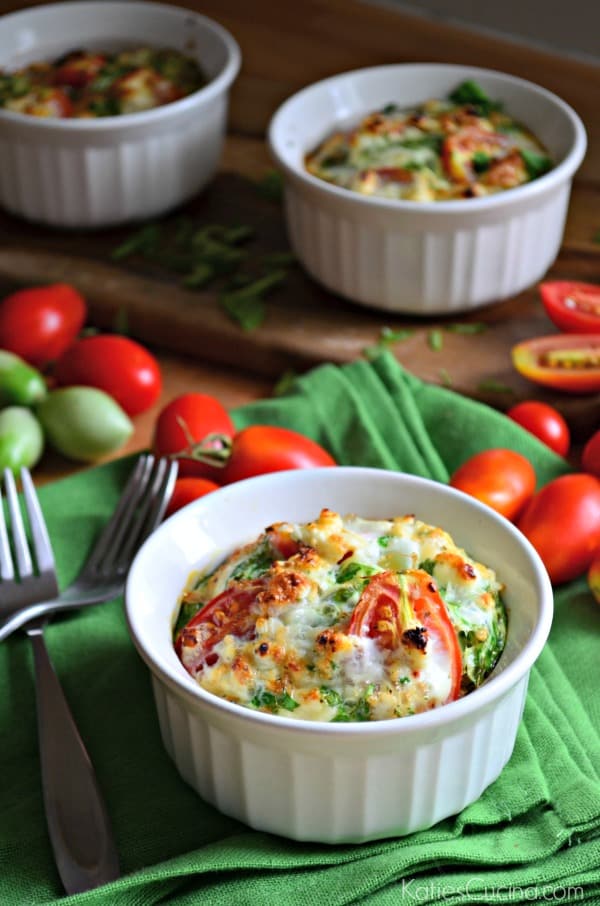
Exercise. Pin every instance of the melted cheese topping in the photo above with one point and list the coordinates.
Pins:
(462, 147)
(86, 84)
(276, 626)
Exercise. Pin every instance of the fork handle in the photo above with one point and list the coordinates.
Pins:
(78, 822)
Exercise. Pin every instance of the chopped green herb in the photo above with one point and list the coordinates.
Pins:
(470, 327)
(344, 594)
(472, 94)
(481, 161)
(355, 711)
(187, 611)
(389, 109)
(121, 321)
(236, 281)
(433, 142)
(236, 234)
(404, 679)
(386, 337)
(535, 164)
(371, 352)
(435, 340)
(271, 186)
(285, 382)
(330, 696)
(143, 241)
(353, 570)
(384, 540)
(107, 106)
(495, 386)
(246, 305)
(208, 253)
(201, 275)
(445, 377)
(428, 566)
(257, 564)
(264, 699)
(336, 159)
(277, 259)
(13, 86)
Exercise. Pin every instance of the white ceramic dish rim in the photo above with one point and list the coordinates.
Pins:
(558, 174)
(213, 88)
(482, 697)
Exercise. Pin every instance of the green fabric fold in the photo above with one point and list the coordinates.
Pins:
(534, 834)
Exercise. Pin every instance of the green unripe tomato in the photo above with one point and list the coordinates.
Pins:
(21, 439)
(83, 423)
(20, 384)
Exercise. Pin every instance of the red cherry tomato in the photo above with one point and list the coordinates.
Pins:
(40, 323)
(593, 577)
(187, 420)
(503, 479)
(569, 362)
(188, 489)
(590, 458)
(573, 307)
(381, 605)
(230, 613)
(562, 522)
(121, 367)
(267, 448)
(545, 422)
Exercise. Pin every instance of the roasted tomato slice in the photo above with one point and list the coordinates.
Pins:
(79, 68)
(459, 150)
(230, 613)
(408, 609)
(569, 362)
(573, 307)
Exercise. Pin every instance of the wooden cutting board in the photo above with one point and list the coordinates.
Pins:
(305, 324)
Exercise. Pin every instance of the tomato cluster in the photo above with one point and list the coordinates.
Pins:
(76, 393)
(561, 520)
(198, 431)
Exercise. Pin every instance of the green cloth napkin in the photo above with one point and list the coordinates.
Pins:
(533, 835)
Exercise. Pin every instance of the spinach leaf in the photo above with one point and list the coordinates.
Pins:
(535, 164)
(470, 93)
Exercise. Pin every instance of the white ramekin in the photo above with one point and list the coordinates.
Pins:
(335, 782)
(100, 172)
(423, 258)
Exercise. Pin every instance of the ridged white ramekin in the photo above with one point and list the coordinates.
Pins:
(335, 782)
(100, 172)
(423, 258)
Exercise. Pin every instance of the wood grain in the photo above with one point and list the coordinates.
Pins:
(286, 46)
(305, 324)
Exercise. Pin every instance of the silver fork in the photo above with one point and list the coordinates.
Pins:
(140, 509)
(78, 823)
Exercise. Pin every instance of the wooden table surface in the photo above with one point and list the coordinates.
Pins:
(288, 45)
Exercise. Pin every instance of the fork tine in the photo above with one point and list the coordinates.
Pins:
(41, 542)
(113, 531)
(7, 572)
(152, 509)
(21, 548)
(161, 498)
